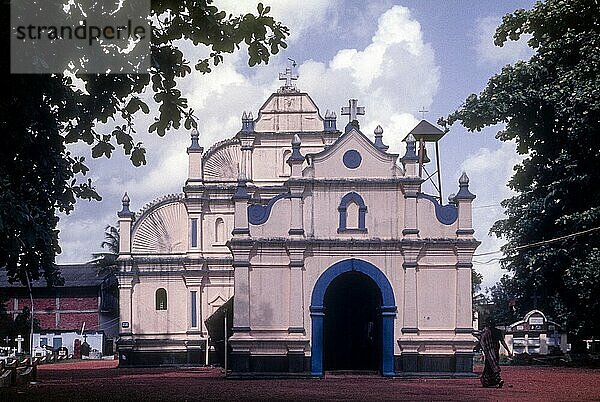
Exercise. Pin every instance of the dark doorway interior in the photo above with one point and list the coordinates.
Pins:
(352, 325)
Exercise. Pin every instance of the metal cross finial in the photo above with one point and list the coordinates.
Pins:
(423, 111)
(353, 110)
(288, 77)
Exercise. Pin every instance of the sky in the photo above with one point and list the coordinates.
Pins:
(396, 57)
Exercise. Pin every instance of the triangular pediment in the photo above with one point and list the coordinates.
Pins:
(352, 155)
(289, 112)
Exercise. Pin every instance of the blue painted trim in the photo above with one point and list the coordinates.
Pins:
(342, 209)
(446, 214)
(352, 159)
(259, 214)
(194, 223)
(194, 309)
(388, 312)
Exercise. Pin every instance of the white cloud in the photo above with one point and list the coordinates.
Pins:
(489, 53)
(490, 171)
(296, 15)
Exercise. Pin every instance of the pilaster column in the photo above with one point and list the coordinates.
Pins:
(240, 214)
(464, 297)
(410, 161)
(241, 272)
(410, 316)
(126, 218)
(296, 306)
(194, 152)
(296, 189)
(125, 303)
(247, 145)
(464, 200)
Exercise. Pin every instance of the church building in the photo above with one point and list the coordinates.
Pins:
(334, 257)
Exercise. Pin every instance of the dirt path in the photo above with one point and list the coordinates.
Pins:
(102, 380)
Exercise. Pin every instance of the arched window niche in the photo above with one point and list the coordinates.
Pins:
(219, 231)
(352, 212)
(161, 299)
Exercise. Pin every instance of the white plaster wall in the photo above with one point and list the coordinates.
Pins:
(429, 226)
(436, 297)
(146, 319)
(269, 297)
(384, 217)
(278, 223)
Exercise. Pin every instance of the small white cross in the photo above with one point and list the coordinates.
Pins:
(288, 77)
(19, 339)
(353, 110)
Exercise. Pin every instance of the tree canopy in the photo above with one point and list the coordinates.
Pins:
(550, 106)
(41, 115)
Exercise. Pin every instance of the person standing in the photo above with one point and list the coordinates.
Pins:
(490, 340)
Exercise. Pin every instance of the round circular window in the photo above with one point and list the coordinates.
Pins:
(352, 159)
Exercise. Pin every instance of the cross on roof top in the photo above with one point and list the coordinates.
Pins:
(288, 77)
(423, 111)
(353, 110)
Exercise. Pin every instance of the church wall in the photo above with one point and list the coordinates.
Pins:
(436, 290)
(146, 319)
(429, 226)
(383, 219)
(269, 297)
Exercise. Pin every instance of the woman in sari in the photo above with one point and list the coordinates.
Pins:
(490, 340)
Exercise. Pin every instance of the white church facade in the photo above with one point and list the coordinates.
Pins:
(334, 257)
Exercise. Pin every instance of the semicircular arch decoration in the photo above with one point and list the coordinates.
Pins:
(162, 230)
(222, 162)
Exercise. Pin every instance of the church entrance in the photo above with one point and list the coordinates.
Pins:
(352, 324)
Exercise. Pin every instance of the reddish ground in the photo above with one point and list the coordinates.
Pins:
(102, 380)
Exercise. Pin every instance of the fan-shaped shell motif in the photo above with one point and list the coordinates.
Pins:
(223, 164)
(162, 231)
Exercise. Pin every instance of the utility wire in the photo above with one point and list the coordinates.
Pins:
(539, 243)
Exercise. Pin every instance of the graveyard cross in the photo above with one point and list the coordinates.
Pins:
(19, 339)
(6, 340)
(288, 77)
(353, 110)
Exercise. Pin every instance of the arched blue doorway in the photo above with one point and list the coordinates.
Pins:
(387, 310)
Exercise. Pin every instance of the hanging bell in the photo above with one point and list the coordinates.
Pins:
(425, 158)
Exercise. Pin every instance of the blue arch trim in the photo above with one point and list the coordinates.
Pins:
(259, 214)
(342, 209)
(446, 214)
(387, 310)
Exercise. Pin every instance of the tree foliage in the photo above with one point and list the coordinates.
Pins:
(41, 115)
(550, 106)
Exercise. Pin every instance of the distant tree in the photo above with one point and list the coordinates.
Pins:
(40, 115)
(550, 106)
(105, 261)
(107, 268)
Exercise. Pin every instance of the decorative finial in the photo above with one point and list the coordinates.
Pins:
(411, 149)
(296, 156)
(125, 212)
(463, 192)
(195, 145)
(247, 122)
(379, 139)
(452, 198)
(330, 121)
